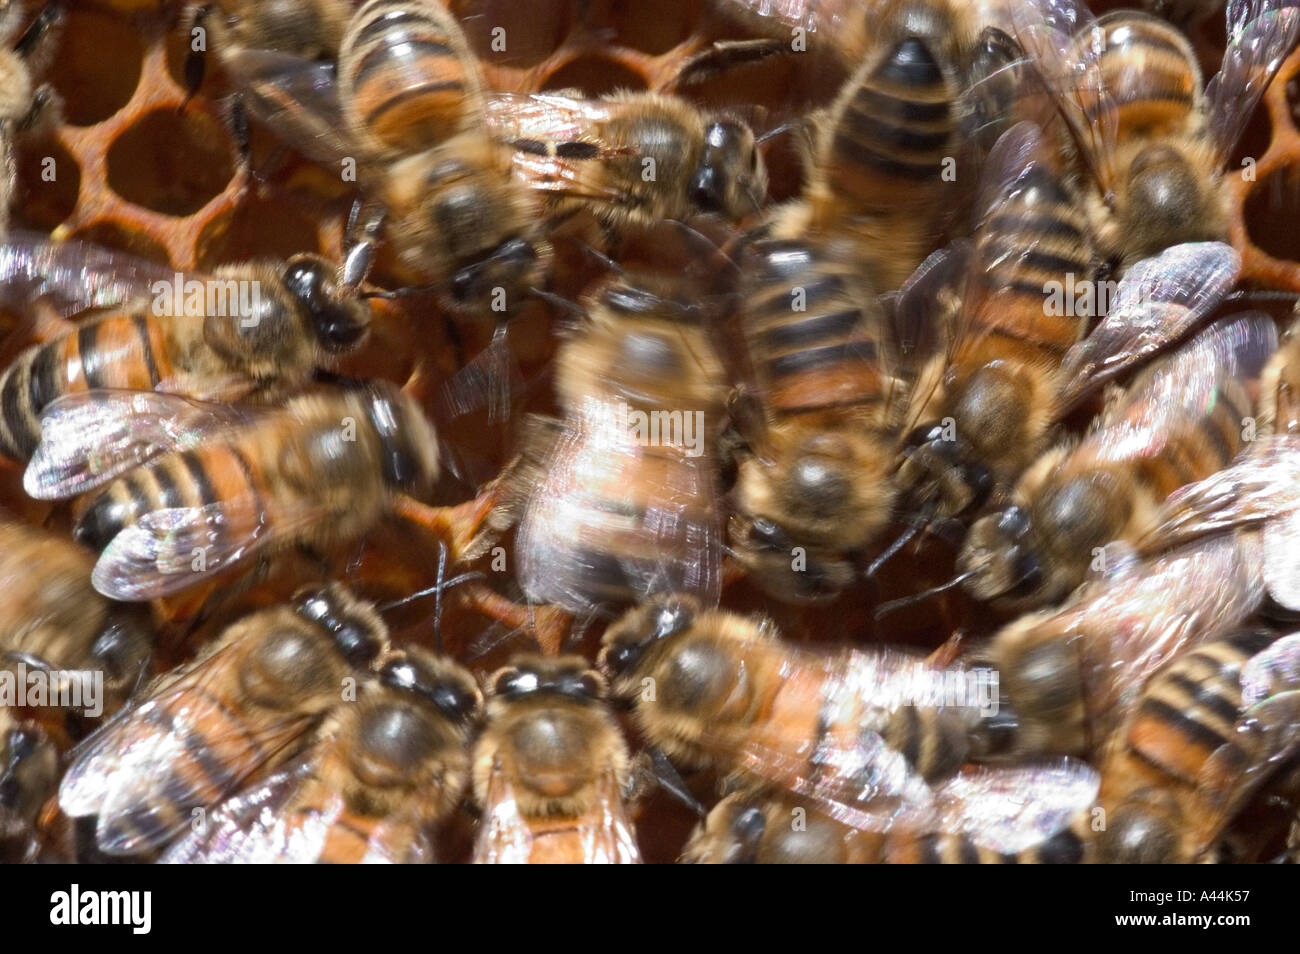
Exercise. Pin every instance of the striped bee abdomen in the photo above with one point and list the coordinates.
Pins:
(1149, 73)
(118, 351)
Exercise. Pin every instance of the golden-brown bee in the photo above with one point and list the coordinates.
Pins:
(622, 501)
(244, 29)
(1279, 388)
(1032, 815)
(413, 102)
(877, 171)
(858, 732)
(1153, 139)
(1183, 419)
(199, 733)
(1156, 811)
(254, 331)
(987, 415)
(551, 769)
(634, 159)
(323, 469)
(379, 775)
(1069, 677)
(813, 484)
(22, 104)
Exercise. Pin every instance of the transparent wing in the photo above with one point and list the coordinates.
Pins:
(1158, 302)
(1271, 671)
(1261, 485)
(543, 117)
(1260, 35)
(144, 771)
(296, 97)
(1064, 42)
(612, 519)
(90, 437)
(1282, 559)
(504, 836)
(72, 276)
(1183, 388)
(1013, 809)
(251, 828)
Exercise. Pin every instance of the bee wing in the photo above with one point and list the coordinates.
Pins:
(143, 771)
(1267, 740)
(1159, 300)
(504, 837)
(609, 517)
(1013, 809)
(1184, 387)
(90, 437)
(72, 276)
(296, 97)
(1261, 485)
(1064, 42)
(1260, 35)
(608, 836)
(250, 828)
(1282, 560)
(1271, 671)
(403, 838)
(170, 550)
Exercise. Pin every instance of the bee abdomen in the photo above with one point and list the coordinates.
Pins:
(119, 351)
(932, 740)
(1150, 74)
(404, 76)
(1189, 710)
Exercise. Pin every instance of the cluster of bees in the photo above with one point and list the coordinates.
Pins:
(915, 354)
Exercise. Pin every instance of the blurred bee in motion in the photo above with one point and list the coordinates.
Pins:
(23, 105)
(1181, 420)
(881, 157)
(1151, 137)
(1037, 814)
(1186, 717)
(1279, 396)
(860, 733)
(620, 502)
(1069, 677)
(413, 102)
(253, 332)
(634, 159)
(95, 652)
(202, 731)
(379, 775)
(322, 470)
(988, 413)
(244, 33)
(551, 769)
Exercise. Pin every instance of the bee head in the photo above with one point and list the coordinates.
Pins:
(628, 639)
(408, 443)
(942, 472)
(568, 676)
(355, 628)
(338, 323)
(731, 178)
(438, 682)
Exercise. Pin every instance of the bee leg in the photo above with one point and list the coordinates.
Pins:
(361, 236)
(726, 55)
(664, 774)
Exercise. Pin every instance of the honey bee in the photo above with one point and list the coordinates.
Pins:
(244, 31)
(1154, 140)
(379, 774)
(1180, 421)
(858, 733)
(634, 159)
(990, 414)
(876, 175)
(29, 775)
(1279, 393)
(254, 331)
(22, 104)
(1027, 815)
(622, 502)
(323, 469)
(1069, 677)
(200, 732)
(1156, 812)
(413, 103)
(551, 769)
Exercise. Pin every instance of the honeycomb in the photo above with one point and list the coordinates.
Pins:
(140, 167)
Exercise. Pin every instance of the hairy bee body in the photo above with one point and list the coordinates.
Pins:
(201, 731)
(1186, 714)
(551, 769)
(743, 829)
(262, 342)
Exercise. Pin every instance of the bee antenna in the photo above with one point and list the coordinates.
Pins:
(885, 609)
(695, 235)
(601, 259)
(780, 130)
(436, 591)
(899, 542)
(671, 781)
(559, 301)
